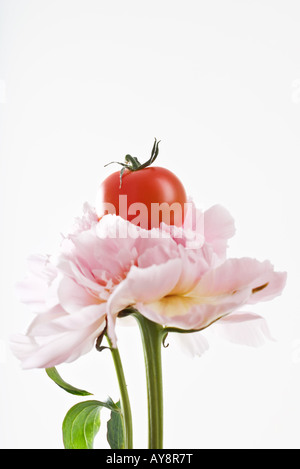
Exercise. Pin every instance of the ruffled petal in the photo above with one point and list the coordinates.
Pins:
(32, 292)
(144, 285)
(270, 285)
(73, 297)
(45, 318)
(68, 322)
(219, 292)
(234, 275)
(66, 347)
(87, 220)
(193, 344)
(244, 329)
(195, 263)
(35, 291)
(189, 313)
(218, 228)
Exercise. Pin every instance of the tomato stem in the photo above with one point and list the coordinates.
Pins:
(133, 164)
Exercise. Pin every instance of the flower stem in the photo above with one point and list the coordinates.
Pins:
(125, 403)
(152, 334)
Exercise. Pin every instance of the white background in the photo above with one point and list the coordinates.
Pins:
(83, 83)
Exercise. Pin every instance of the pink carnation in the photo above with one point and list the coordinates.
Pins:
(106, 266)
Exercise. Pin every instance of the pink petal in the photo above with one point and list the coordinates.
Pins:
(141, 285)
(36, 290)
(101, 251)
(244, 329)
(157, 254)
(191, 234)
(69, 322)
(22, 346)
(70, 269)
(268, 287)
(57, 349)
(41, 266)
(32, 292)
(45, 318)
(149, 284)
(218, 228)
(73, 297)
(192, 344)
(232, 276)
(188, 313)
(193, 217)
(219, 292)
(194, 264)
(87, 220)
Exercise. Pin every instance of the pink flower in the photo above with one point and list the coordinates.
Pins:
(169, 275)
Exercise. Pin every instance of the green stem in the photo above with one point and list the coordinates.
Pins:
(125, 403)
(152, 334)
(133, 164)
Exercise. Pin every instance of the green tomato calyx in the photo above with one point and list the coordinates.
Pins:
(133, 164)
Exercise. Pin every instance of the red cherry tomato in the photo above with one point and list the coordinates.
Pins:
(146, 197)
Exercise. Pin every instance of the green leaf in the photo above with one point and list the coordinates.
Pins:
(115, 431)
(81, 425)
(55, 376)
